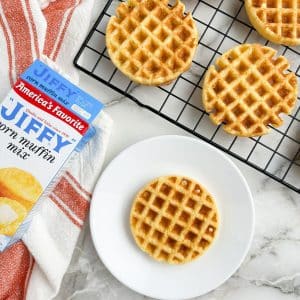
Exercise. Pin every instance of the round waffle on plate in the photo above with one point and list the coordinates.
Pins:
(151, 42)
(174, 219)
(248, 89)
(175, 208)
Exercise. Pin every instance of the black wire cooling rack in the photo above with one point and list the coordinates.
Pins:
(222, 24)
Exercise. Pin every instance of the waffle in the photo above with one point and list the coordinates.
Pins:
(150, 42)
(248, 89)
(276, 20)
(174, 219)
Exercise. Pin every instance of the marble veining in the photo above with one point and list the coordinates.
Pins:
(271, 270)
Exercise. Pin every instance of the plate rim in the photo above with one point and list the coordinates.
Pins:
(213, 149)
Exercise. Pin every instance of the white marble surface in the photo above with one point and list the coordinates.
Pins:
(271, 270)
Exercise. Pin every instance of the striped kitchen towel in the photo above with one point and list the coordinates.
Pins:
(34, 267)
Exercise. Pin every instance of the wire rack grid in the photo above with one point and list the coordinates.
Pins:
(222, 24)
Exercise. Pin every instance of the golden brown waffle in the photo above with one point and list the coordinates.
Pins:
(174, 219)
(276, 20)
(151, 42)
(248, 89)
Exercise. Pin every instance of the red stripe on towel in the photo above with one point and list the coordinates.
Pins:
(72, 198)
(65, 211)
(31, 264)
(19, 28)
(58, 15)
(55, 54)
(15, 268)
(34, 30)
(9, 50)
(88, 194)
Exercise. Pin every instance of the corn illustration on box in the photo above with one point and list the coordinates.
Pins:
(43, 119)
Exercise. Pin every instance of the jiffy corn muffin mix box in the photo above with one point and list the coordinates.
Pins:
(43, 119)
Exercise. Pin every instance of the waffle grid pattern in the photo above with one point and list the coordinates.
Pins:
(249, 89)
(174, 219)
(221, 27)
(150, 42)
(278, 20)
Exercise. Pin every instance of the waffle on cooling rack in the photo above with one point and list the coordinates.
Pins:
(151, 42)
(248, 90)
(276, 20)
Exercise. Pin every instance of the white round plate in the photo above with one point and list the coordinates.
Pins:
(135, 167)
